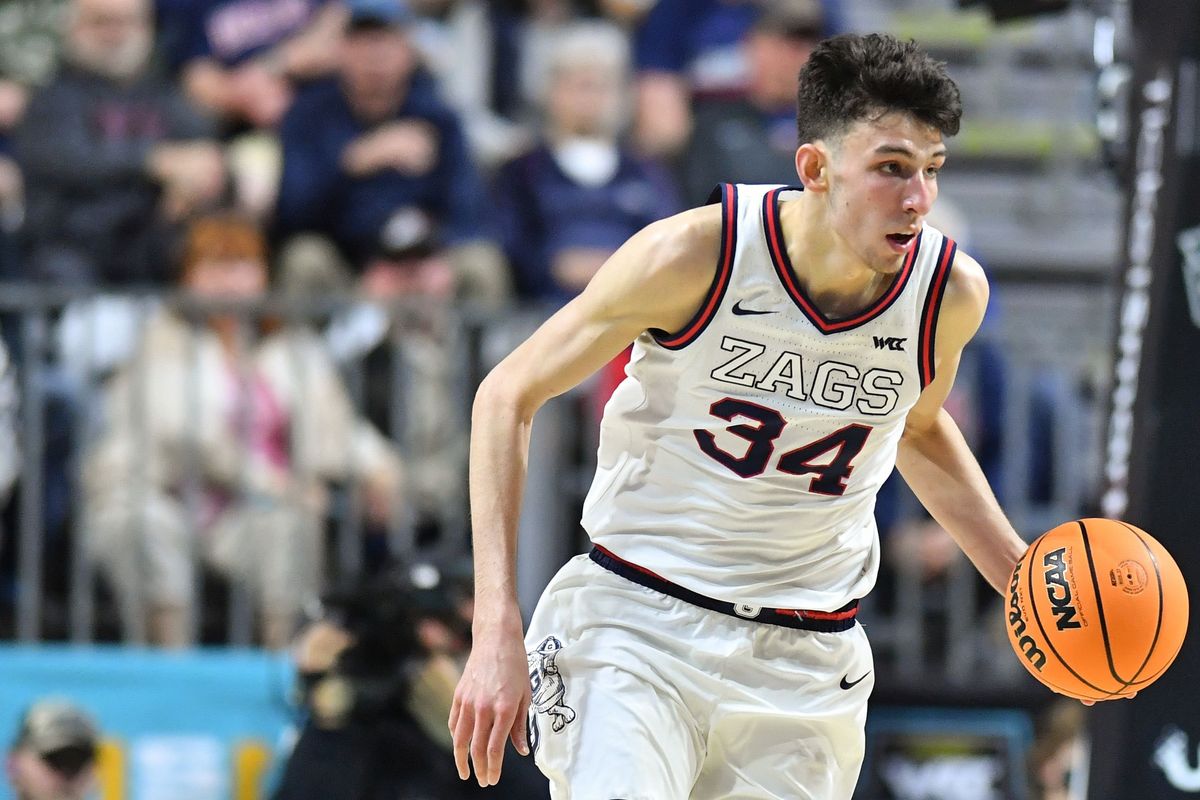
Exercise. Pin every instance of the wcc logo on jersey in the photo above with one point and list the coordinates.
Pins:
(889, 342)
(549, 690)
(1058, 589)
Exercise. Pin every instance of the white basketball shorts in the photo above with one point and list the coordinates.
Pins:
(638, 695)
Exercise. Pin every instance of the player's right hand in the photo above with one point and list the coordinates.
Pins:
(491, 702)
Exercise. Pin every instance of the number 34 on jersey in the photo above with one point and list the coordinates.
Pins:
(830, 384)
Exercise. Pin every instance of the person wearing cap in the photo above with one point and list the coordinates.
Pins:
(376, 139)
(751, 138)
(402, 338)
(53, 756)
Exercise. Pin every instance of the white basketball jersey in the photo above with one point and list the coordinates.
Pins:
(740, 457)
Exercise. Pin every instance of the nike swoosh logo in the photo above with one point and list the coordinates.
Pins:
(845, 684)
(737, 309)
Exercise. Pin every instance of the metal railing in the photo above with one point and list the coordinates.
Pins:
(66, 348)
(947, 626)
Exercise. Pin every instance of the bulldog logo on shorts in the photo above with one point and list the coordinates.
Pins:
(548, 689)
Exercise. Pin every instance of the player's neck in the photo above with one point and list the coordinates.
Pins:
(833, 277)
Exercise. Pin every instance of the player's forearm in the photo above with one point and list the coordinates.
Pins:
(944, 475)
(498, 463)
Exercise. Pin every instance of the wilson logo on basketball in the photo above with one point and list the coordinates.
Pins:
(1059, 590)
(1016, 620)
(1129, 577)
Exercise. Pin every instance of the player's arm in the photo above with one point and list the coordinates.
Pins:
(933, 456)
(657, 280)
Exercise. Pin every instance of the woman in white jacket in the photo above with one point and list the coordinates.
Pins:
(219, 442)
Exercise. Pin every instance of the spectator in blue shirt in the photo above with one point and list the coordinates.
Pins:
(752, 138)
(378, 139)
(686, 49)
(570, 202)
(242, 59)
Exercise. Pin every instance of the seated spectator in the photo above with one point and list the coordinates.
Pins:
(29, 50)
(378, 139)
(54, 754)
(473, 50)
(752, 138)
(111, 154)
(567, 205)
(242, 59)
(222, 443)
(404, 339)
(685, 47)
(687, 50)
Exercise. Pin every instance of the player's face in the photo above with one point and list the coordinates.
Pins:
(882, 183)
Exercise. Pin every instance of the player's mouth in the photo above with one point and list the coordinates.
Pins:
(901, 242)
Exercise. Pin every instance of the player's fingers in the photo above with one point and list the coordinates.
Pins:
(462, 740)
(495, 744)
(519, 732)
(1088, 702)
(480, 738)
(455, 708)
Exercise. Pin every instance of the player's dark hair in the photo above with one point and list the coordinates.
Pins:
(851, 77)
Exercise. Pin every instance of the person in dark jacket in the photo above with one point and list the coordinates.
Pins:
(751, 137)
(111, 155)
(377, 139)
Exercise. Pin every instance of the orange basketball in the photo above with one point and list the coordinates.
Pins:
(1096, 609)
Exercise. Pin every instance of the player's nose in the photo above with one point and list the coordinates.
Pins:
(919, 195)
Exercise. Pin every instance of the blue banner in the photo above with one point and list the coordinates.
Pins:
(204, 724)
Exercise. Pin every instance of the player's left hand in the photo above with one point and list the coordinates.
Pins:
(491, 700)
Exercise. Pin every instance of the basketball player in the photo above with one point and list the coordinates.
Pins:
(791, 345)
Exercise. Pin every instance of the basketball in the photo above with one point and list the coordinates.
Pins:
(1096, 609)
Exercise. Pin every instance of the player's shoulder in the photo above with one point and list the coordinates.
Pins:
(965, 300)
(686, 244)
(968, 283)
(660, 277)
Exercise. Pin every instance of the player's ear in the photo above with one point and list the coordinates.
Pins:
(812, 167)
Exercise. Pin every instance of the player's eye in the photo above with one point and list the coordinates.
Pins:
(932, 172)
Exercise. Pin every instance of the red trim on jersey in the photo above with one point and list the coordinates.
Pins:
(787, 275)
(720, 282)
(929, 313)
(629, 564)
(836, 615)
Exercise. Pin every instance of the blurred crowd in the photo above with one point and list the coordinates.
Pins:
(485, 154)
(177, 165)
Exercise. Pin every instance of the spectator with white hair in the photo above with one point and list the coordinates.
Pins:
(566, 205)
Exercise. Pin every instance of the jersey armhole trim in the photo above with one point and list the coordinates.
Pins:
(712, 300)
(926, 363)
